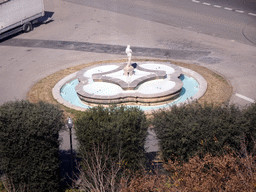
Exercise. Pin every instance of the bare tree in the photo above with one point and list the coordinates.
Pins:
(9, 185)
(98, 172)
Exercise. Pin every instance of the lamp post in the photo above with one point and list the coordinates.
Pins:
(70, 125)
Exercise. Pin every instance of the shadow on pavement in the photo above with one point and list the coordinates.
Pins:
(65, 167)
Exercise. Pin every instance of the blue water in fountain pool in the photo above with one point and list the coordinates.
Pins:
(190, 88)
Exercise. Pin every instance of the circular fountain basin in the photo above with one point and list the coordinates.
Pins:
(193, 85)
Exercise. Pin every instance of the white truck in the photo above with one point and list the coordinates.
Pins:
(19, 15)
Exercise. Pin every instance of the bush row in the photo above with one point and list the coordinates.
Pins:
(29, 136)
(196, 129)
(229, 172)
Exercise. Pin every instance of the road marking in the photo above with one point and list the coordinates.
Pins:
(239, 11)
(206, 4)
(252, 14)
(226, 8)
(245, 98)
(229, 9)
(217, 6)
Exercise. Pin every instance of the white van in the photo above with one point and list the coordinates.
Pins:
(19, 15)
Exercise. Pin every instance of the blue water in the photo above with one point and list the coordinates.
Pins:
(190, 88)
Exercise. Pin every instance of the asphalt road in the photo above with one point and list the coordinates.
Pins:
(83, 31)
(234, 20)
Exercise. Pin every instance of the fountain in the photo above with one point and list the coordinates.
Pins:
(132, 83)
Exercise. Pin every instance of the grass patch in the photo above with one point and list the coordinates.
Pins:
(218, 89)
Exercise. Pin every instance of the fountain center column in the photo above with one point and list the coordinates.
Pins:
(128, 70)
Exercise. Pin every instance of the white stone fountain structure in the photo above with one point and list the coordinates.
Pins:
(142, 83)
(150, 84)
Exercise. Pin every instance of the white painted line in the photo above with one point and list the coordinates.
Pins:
(217, 6)
(252, 14)
(239, 11)
(245, 98)
(228, 8)
(195, 1)
(206, 4)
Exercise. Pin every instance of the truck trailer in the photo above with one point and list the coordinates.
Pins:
(19, 15)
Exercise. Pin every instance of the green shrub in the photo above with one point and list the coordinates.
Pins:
(249, 124)
(194, 128)
(122, 130)
(29, 144)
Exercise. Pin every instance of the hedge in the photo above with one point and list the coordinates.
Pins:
(29, 144)
(196, 129)
(122, 130)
